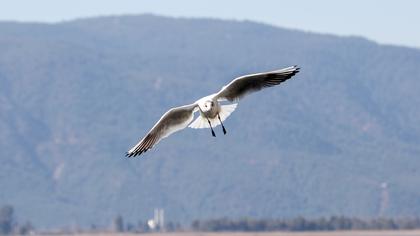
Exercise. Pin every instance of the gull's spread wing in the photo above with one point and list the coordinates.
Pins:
(246, 84)
(173, 120)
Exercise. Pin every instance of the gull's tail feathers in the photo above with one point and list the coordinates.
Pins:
(225, 111)
(202, 123)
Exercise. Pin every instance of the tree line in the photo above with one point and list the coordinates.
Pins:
(8, 225)
(304, 224)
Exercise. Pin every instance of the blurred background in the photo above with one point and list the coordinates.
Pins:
(336, 146)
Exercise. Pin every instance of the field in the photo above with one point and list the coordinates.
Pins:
(335, 233)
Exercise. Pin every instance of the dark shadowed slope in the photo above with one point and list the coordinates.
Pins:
(75, 96)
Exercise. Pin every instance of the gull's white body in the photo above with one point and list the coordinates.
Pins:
(212, 113)
(210, 108)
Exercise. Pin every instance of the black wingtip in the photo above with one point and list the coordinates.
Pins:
(132, 154)
(296, 70)
(128, 155)
(135, 153)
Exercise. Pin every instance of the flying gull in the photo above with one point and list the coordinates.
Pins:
(212, 113)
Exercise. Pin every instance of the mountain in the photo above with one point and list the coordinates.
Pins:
(340, 138)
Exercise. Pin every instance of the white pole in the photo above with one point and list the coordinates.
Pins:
(156, 217)
(162, 219)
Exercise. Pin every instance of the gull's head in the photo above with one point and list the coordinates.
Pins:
(207, 106)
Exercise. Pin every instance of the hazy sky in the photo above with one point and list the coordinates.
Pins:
(385, 21)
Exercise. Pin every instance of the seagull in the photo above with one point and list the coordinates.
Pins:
(212, 113)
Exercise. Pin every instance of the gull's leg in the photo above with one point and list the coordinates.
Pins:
(223, 127)
(212, 131)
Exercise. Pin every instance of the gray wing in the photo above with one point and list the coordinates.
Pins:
(173, 120)
(246, 84)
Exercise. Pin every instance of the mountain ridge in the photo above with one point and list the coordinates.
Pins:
(73, 97)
